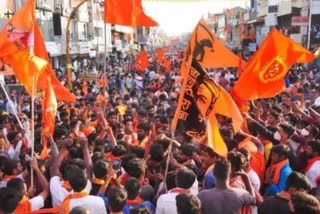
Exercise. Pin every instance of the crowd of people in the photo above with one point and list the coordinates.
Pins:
(113, 151)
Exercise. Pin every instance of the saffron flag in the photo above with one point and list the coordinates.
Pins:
(49, 111)
(160, 55)
(127, 12)
(167, 64)
(61, 92)
(208, 50)
(200, 100)
(267, 68)
(16, 34)
(142, 61)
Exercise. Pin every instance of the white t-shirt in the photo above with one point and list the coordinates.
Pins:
(313, 173)
(58, 193)
(94, 204)
(167, 203)
(36, 203)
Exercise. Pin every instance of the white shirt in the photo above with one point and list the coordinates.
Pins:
(14, 153)
(254, 178)
(4, 182)
(313, 173)
(58, 193)
(94, 204)
(166, 203)
(36, 203)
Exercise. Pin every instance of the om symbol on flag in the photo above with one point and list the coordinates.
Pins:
(274, 70)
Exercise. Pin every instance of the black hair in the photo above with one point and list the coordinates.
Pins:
(136, 168)
(9, 199)
(132, 186)
(281, 150)
(237, 160)
(126, 158)
(222, 169)
(140, 210)
(298, 180)
(9, 166)
(187, 149)
(139, 151)
(156, 152)
(79, 210)
(185, 178)
(117, 199)
(78, 180)
(18, 185)
(287, 128)
(188, 204)
(118, 150)
(100, 169)
(171, 180)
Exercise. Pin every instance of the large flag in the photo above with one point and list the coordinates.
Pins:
(16, 34)
(200, 100)
(49, 111)
(267, 68)
(61, 92)
(127, 12)
(208, 50)
(142, 61)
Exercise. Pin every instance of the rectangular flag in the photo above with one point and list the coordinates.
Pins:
(61, 92)
(267, 68)
(142, 61)
(160, 55)
(200, 100)
(208, 50)
(127, 13)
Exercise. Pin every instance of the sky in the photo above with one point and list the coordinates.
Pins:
(176, 18)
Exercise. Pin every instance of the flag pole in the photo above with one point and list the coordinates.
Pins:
(12, 107)
(32, 126)
(69, 65)
(168, 157)
(309, 26)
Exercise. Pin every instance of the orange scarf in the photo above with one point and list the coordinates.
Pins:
(277, 169)
(66, 201)
(98, 181)
(135, 201)
(178, 190)
(24, 206)
(8, 177)
(310, 163)
(66, 185)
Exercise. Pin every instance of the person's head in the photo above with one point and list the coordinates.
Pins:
(285, 131)
(279, 153)
(128, 126)
(140, 210)
(185, 178)
(112, 119)
(185, 152)
(100, 169)
(302, 203)
(117, 199)
(297, 182)
(237, 160)
(273, 118)
(143, 131)
(9, 200)
(188, 204)
(313, 148)
(18, 185)
(142, 116)
(136, 168)
(222, 170)
(79, 210)
(78, 180)
(156, 152)
(132, 187)
(10, 167)
(139, 151)
(247, 155)
(209, 156)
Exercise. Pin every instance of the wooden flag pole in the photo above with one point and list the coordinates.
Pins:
(32, 125)
(168, 156)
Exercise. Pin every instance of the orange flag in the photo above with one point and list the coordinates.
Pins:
(61, 92)
(16, 34)
(208, 50)
(49, 111)
(142, 61)
(160, 55)
(268, 66)
(200, 100)
(167, 64)
(126, 12)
